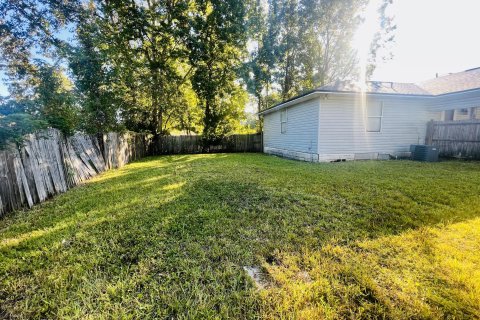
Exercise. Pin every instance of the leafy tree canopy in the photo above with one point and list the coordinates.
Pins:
(171, 66)
(304, 44)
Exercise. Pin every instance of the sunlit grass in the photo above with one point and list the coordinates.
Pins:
(167, 237)
(431, 272)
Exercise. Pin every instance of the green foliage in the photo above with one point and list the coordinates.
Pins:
(9, 106)
(29, 30)
(14, 126)
(187, 117)
(175, 66)
(148, 52)
(167, 237)
(30, 26)
(234, 116)
(216, 46)
(304, 44)
(54, 99)
(94, 80)
(44, 98)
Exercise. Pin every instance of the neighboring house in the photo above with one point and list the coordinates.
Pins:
(341, 121)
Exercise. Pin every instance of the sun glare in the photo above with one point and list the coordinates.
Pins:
(364, 36)
(361, 43)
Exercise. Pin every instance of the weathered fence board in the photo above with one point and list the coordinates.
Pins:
(48, 164)
(194, 144)
(455, 138)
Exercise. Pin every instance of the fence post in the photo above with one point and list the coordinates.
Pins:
(430, 132)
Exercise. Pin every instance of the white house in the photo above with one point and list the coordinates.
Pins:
(344, 122)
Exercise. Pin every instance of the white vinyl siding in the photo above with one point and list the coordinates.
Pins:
(300, 133)
(468, 99)
(461, 114)
(343, 124)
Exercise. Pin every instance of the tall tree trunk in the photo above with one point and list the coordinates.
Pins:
(287, 84)
(207, 126)
(157, 113)
(259, 107)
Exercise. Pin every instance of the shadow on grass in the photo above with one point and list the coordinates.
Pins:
(168, 236)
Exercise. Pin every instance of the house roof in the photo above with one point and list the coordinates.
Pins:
(453, 82)
(375, 87)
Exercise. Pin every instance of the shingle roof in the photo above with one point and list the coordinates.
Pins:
(375, 87)
(454, 82)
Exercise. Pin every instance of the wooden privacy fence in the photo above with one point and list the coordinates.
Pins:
(194, 144)
(455, 138)
(48, 164)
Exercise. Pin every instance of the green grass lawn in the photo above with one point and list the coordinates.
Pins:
(168, 237)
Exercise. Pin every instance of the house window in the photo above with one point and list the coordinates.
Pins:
(448, 115)
(374, 117)
(283, 121)
(475, 113)
(463, 111)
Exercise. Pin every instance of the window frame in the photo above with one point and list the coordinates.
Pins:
(283, 121)
(375, 117)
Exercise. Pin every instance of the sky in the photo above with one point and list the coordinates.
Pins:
(432, 36)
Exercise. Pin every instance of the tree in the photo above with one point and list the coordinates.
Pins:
(54, 99)
(94, 79)
(41, 94)
(216, 43)
(187, 117)
(159, 66)
(146, 45)
(379, 49)
(288, 48)
(28, 25)
(15, 123)
(258, 71)
(306, 44)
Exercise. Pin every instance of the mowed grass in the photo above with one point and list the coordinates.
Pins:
(168, 237)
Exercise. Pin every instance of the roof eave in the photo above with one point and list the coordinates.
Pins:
(315, 93)
(293, 101)
(457, 92)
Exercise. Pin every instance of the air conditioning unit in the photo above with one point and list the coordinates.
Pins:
(424, 153)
